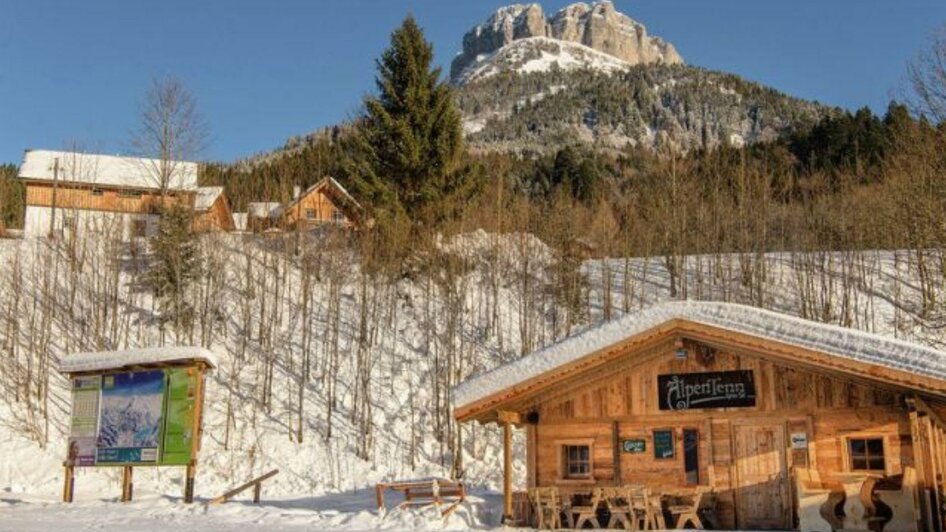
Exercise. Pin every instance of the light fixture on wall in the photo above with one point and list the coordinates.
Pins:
(681, 350)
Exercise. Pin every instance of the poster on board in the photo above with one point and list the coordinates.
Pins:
(84, 424)
(130, 420)
(181, 411)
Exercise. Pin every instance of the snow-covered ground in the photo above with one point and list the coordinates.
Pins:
(151, 511)
(325, 481)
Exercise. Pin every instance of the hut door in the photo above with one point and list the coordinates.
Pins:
(761, 480)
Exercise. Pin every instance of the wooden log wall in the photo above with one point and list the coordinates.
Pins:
(321, 206)
(735, 444)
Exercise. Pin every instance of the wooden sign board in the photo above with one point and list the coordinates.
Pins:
(663, 444)
(634, 445)
(714, 389)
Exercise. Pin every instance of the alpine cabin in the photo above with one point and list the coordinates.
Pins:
(212, 211)
(325, 202)
(70, 191)
(724, 416)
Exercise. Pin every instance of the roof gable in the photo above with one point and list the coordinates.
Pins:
(334, 188)
(105, 170)
(206, 196)
(848, 350)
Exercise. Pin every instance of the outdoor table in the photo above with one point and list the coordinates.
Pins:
(858, 506)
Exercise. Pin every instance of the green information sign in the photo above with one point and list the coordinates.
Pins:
(180, 409)
(635, 446)
(663, 444)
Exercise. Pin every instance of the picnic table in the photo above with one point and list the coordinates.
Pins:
(424, 492)
(630, 506)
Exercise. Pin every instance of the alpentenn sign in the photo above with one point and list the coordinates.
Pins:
(715, 389)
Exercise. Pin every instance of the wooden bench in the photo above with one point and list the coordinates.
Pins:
(256, 484)
(425, 492)
(813, 501)
(903, 504)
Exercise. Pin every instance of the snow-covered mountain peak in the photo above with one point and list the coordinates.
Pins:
(599, 27)
(540, 54)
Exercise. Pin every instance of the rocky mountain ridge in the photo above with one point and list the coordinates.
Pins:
(599, 26)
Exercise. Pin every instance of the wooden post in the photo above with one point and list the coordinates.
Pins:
(69, 486)
(127, 484)
(507, 472)
(616, 452)
(189, 482)
(379, 495)
(257, 490)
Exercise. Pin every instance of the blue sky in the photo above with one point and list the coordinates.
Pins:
(266, 70)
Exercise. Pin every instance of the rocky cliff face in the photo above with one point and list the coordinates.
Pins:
(598, 26)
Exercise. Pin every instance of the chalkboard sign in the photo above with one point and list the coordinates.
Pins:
(663, 444)
(634, 446)
(715, 389)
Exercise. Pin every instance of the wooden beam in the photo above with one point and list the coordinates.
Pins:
(505, 416)
(616, 453)
(507, 472)
(239, 489)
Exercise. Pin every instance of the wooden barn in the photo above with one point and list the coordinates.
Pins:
(724, 416)
(69, 191)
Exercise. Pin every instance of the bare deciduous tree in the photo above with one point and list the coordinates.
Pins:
(171, 131)
(927, 77)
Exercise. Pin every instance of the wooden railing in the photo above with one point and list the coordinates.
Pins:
(256, 484)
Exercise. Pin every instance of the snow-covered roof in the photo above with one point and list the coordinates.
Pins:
(825, 338)
(264, 209)
(105, 170)
(206, 196)
(107, 360)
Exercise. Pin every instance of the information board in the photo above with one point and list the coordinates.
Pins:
(134, 418)
(131, 417)
(85, 417)
(181, 405)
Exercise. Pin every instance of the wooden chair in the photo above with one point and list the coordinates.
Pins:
(655, 512)
(704, 501)
(618, 502)
(812, 499)
(589, 513)
(548, 506)
(903, 504)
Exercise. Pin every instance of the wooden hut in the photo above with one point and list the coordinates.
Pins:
(212, 211)
(325, 202)
(761, 408)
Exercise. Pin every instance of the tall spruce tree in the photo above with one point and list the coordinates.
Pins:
(175, 267)
(409, 143)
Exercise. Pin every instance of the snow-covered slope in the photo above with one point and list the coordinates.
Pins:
(540, 54)
(70, 299)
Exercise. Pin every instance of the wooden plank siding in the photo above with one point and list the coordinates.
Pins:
(316, 207)
(828, 406)
(217, 218)
(105, 199)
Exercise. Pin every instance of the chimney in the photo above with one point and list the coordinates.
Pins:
(296, 190)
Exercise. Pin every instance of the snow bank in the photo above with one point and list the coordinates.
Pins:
(103, 360)
(831, 339)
